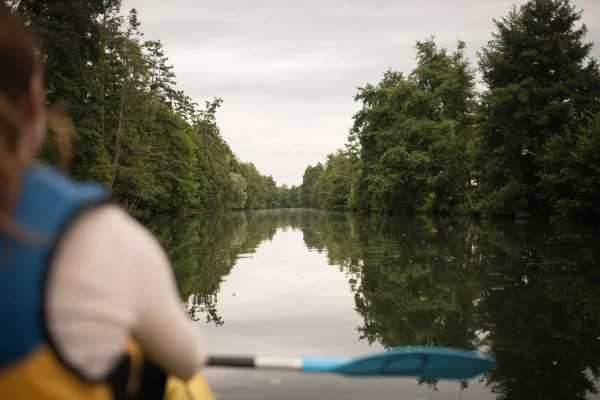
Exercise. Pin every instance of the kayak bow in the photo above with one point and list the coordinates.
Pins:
(421, 362)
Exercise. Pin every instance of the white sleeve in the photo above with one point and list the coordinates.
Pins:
(164, 331)
(110, 280)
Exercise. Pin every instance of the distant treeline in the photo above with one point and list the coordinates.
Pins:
(428, 141)
(133, 130)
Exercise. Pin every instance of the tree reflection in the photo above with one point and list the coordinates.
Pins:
(526, 293)
(546, 318)
(204, 248)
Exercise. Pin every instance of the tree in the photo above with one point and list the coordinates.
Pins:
(540, 83)
(333, 187)
(132, 79)
(69, 37)
(215, 159)
(161, 78)
(294, 197)
(272, 192)
(413, 134)
(284, 196)
(239, 191)
(310, 177)
(570, 173)
(134, 130)
(109, 38)
(256, 189)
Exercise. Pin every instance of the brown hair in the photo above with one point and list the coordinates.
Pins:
(20, 61)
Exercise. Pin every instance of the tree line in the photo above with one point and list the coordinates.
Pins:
(134, 131)
(430, 141)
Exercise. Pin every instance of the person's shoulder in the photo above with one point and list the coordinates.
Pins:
(114, 216)
(111, 222)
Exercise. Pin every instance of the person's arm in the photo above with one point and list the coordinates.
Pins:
(111, 280)
(162, 328)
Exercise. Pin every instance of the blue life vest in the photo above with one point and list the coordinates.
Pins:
(30, 365)
(47, 202)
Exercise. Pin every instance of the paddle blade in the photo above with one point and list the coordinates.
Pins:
(420, 362)
(323, 363)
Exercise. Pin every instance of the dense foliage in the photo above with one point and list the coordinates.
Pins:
(133, 130)
(428, 142)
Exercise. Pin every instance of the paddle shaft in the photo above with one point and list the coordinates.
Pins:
(255, 362)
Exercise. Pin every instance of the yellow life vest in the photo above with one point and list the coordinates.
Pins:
(41, 375)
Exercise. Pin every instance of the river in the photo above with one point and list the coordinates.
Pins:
(298, 282)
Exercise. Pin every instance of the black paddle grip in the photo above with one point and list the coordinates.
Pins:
(229, 361)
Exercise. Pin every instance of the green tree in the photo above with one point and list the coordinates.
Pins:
(131, 80)
(272, 192)
(333, 187)
(570, 173)
(256, 189)
(413, 134)
(239, 191)
(134, 130)
(101, 168)
(215, 159)
(284, 196)
(309, 179)
(540, 83)
(69, 36)
(294, 197)
(161, 79)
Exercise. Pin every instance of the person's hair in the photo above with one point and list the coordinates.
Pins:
(20, 61)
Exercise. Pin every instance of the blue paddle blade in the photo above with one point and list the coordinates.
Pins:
(420, 362)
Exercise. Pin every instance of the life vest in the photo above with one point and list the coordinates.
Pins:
(31, 367)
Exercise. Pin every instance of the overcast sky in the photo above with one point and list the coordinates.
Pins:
(288, 70)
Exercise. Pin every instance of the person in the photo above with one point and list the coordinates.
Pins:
(88, 300)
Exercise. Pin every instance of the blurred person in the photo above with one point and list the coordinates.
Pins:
(88, 301)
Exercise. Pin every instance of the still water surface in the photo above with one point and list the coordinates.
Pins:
(298, 282)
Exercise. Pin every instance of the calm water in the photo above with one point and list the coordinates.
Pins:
(295, 282)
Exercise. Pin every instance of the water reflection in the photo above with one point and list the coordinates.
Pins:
(527, 293)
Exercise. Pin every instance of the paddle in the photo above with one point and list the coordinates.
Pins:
(421, 362)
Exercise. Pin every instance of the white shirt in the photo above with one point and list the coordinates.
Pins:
(110, 280)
